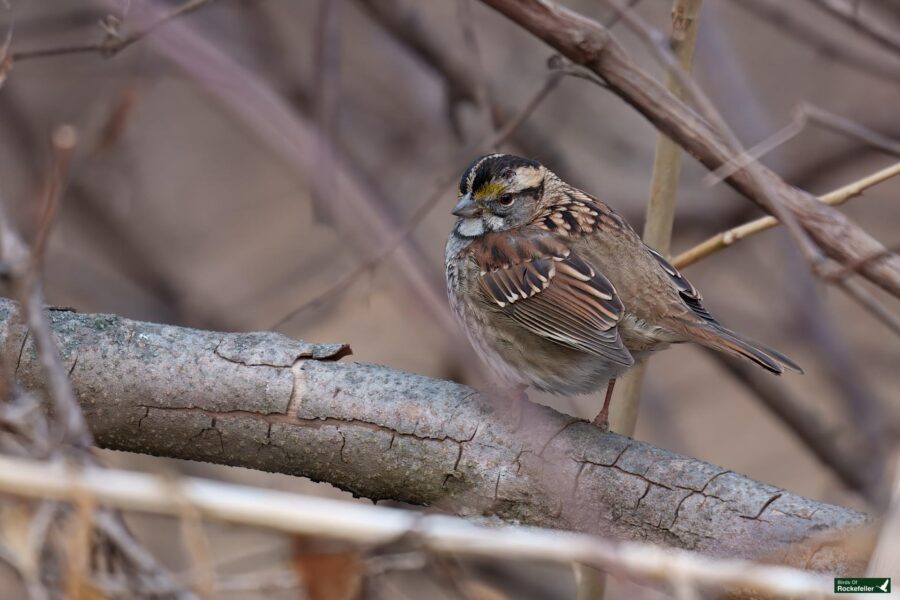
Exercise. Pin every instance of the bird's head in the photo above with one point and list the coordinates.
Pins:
(499, 192)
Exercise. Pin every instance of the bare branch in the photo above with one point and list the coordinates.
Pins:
(114, 41)
(373, 525)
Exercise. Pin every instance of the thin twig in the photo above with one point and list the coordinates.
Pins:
(858, 401)
(617, 15)
(848, 268)
(113, 527)
(403, 23)
(658, 234)
(849, 13)
(362, 524)
(735, 234)
(113, 42)
(64, 139)
(476, 65)
(823, 40)
(857, 292)
(804, 114)
(70, 434)
(70, 427)
(326, 100)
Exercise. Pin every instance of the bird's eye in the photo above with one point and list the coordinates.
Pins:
(506, 200)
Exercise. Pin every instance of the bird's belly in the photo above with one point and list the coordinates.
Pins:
(519, 356)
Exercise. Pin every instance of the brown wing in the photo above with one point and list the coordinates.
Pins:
(689, 294)
(551, 292)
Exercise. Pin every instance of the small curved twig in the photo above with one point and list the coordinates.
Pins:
(727, 238)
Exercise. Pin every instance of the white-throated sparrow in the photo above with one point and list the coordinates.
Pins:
(557, 291)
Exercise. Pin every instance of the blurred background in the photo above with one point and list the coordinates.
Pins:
(257, 157)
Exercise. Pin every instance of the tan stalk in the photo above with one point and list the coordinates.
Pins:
(727, 238)
(658, 234)
(661, 207)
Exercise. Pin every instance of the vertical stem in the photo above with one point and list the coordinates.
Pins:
(590, 582)
(661, 206)
(667, 162)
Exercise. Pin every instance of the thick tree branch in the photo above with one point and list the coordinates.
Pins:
(588, 43)
(264, 401)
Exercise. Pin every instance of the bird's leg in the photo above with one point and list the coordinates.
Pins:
(602, 419)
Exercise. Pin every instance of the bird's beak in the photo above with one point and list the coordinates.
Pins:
(466, 207)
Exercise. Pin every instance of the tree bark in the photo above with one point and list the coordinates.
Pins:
(264, 401)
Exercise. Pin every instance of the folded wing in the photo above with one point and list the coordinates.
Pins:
(553, 293)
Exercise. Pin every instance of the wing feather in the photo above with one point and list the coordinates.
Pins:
(689, 294)
(552, 292)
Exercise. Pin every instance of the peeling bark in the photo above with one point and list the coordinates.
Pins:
(265, 401)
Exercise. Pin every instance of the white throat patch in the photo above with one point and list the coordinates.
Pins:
(470, 227)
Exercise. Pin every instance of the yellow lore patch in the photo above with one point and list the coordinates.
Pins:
(491, 188)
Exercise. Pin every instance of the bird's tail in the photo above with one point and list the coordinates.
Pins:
(724, 340)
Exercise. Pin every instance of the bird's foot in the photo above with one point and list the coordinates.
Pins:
(601, 421)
